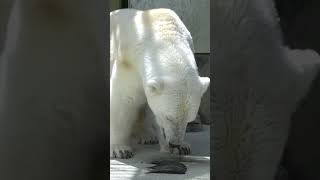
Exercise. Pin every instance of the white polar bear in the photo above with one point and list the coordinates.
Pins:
(152, 62)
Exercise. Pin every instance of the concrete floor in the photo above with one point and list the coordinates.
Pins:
(198, 163)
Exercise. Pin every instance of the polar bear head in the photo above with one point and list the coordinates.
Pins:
(175, 102)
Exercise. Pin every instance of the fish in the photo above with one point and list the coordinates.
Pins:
(168, 167)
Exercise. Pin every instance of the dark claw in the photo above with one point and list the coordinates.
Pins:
(126, 153)
(174, 145)
(122, 155)
(114, 154)
(185, 151)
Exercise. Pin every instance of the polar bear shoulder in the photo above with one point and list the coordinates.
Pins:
(134, 31)
(135, 26)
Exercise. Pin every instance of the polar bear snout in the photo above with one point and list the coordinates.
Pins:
(176, 137)
(173, 136)
(175, 141)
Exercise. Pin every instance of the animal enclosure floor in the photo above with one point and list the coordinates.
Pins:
(198, 163)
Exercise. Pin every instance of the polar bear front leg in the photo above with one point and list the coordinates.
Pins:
(122, 119)
(119, 144)
(126, 100)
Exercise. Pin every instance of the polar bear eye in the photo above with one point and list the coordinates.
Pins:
(154, 86)
(153, 89)
(169, 119)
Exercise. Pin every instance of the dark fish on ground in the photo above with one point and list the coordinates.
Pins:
(168, 167)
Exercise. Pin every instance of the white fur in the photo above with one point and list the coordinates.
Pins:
(152, 62)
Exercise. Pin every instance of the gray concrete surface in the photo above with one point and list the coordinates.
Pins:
(198, 163)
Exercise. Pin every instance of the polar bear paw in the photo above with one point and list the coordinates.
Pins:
(146, 136)
(147, 139)
(183, 149)
(121, 151)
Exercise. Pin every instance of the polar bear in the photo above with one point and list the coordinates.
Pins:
(153, 70)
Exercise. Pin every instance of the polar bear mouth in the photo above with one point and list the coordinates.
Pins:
(171, 145)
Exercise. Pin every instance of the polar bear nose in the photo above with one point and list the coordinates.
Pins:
(171, 145)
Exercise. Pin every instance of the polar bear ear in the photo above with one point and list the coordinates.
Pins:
(205, 82)
(154, 86)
